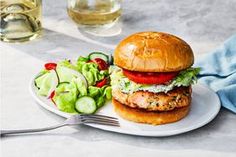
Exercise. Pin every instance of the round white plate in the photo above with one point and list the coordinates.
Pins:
(205, 106)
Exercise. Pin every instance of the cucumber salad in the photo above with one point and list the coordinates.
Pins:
(79, 87)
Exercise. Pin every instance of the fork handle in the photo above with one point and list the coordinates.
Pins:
(6, 132)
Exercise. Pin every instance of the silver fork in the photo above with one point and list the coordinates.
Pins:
(73, 120)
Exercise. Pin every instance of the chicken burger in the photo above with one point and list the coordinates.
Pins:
(152, 77)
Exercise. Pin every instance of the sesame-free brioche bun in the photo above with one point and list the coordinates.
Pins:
(153, 52)
(148, 117)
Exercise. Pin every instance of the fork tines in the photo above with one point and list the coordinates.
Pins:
(100, 119)
(98, 116)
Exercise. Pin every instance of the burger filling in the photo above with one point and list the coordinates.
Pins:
(153, 91)
(119, 80)
(179, 97)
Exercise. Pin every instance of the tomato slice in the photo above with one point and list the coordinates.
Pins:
(101, 83)
(50, 66)
(149, 77)
(102, 65)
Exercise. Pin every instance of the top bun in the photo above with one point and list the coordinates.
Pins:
(153, 52)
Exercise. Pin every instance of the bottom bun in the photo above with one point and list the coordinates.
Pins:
(149, 117)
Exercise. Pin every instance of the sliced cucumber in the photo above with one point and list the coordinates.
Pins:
(101, 55)
(86, 105)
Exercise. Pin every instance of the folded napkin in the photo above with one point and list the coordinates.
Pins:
(218, 71)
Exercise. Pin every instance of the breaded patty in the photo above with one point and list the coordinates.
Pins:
(179, 97)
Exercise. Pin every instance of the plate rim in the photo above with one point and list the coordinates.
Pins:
(138, 133)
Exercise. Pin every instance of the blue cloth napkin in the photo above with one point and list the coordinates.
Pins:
(218, 71)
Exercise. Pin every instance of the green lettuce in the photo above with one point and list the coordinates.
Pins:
(92, 74)
(80, 85)
(68, 64)
(45, 82)
(65, 97)
(80, 62)
(187, 77)
(107, 93)
(100, 95)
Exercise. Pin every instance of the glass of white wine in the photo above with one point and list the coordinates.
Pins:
(94, 13)
(20, 20)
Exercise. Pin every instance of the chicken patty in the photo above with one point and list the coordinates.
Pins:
(176, 98)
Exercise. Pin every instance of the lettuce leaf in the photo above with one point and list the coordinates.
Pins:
(92, 74)
(100, 95)
(65, 97)
(68, 64)
(187, 77)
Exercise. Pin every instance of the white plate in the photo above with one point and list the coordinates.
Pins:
(205, 106)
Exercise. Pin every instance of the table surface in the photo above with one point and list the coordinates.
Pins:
(203, 24)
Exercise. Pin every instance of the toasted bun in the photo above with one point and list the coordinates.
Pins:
(153, 52)
(148, 117)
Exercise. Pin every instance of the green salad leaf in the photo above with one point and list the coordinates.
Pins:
(93, 91)
(80, 62)
(81, 87)
(65, 97)
(45, 82)
(100, 101)
(107, 92)
(187, 77)
(68, 64)
(40, 78)
(92, 74)
(100, 95)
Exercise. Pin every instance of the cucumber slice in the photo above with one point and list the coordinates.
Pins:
(101, 55)
(66, 75)
(86, 105)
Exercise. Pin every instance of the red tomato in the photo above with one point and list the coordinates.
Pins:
(101, 83)
(50, 66)
(149, 77)
(102, 65)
